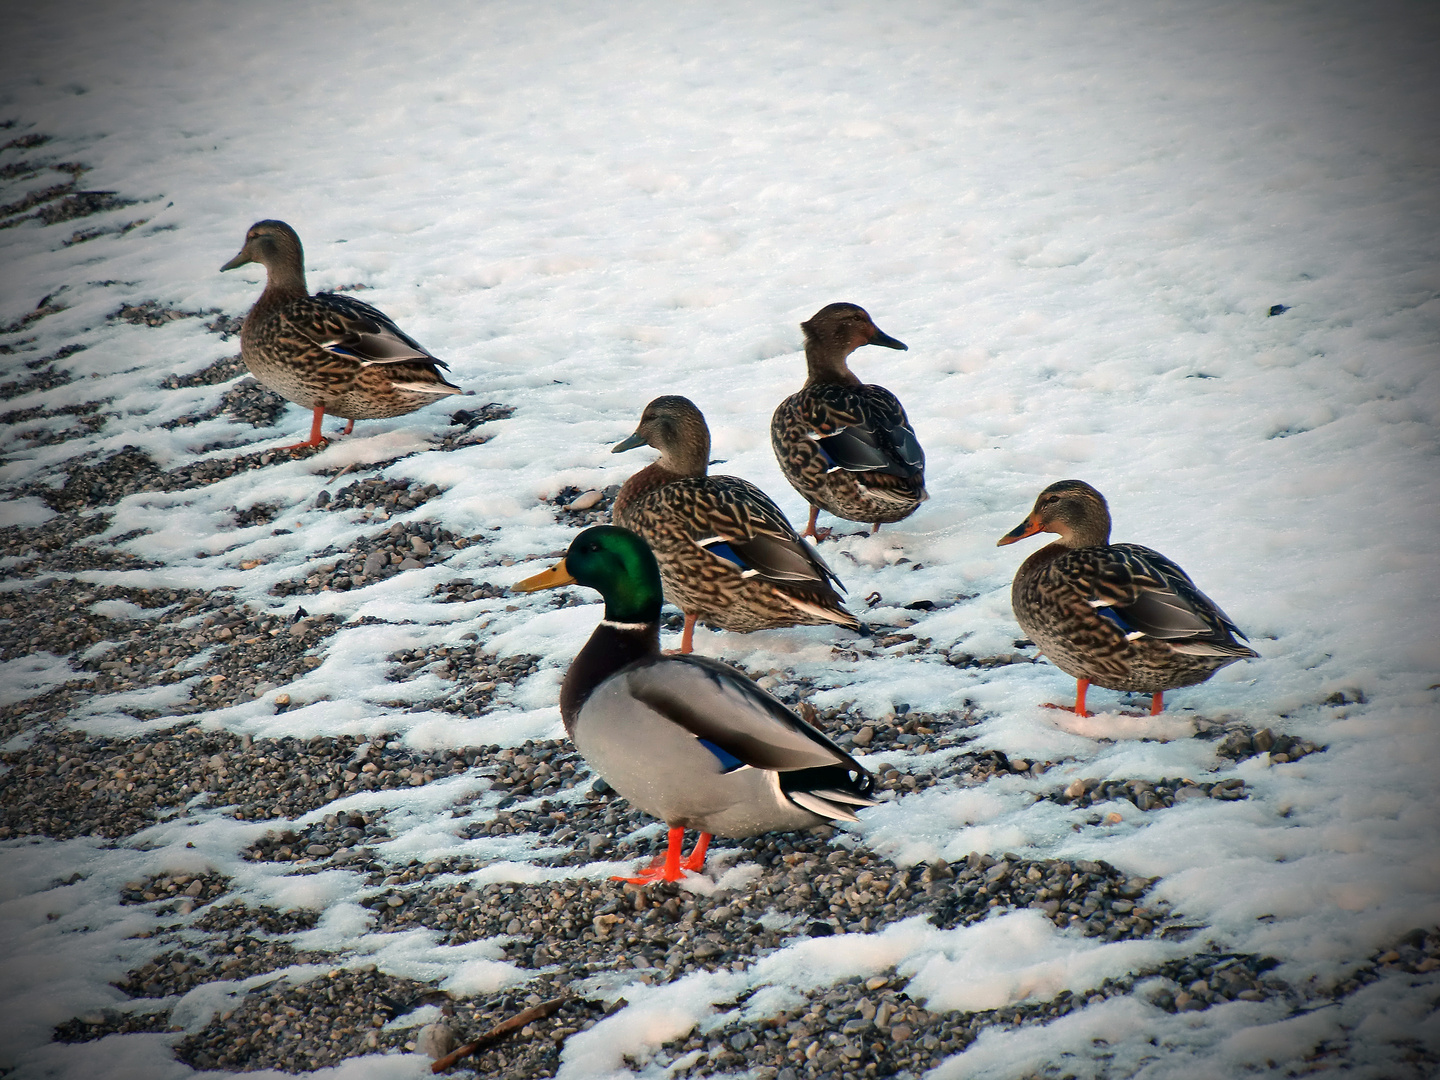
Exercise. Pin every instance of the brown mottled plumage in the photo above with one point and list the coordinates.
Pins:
(847, 447)
(727, 554)
(330, 353)
(1117, 615)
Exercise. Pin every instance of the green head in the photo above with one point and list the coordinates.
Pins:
(617, 564)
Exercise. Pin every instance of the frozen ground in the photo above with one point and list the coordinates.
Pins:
(1183, 251)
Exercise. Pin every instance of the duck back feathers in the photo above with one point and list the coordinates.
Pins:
(1121, 616)
(848, 447)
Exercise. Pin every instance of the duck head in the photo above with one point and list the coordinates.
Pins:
(837, 330)
(617, 564)
(674, 426)
(275, 246)
(1071, 508)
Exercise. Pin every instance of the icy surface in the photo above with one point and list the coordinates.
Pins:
(1079, 220)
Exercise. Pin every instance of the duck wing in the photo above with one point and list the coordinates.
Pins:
(1145, 594)
(742, 525)
(720, 706)
(865, 429)
(350, 334)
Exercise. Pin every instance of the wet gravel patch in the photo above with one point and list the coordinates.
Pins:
(224, 370)
(583, 507)
(187, 891)
(131, 470)
(1148, 794)
(467, 421)
(227, 652)
(47, 375)
(105, 1022)
(461, 590)
(154, 313)
(247, 401)
(1240, 741)
(1199, 982)
(56, 200)
(232, 917)
(31, 624)
(479, 678)
(1414, 953)
(377, 493)
(1092, 897)
(302, 1026)
(66, 784)
(50, 543)
(867, 1027)
(77, 421)
(237, 956)
(405, 545)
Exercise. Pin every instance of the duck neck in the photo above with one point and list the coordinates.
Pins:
(284, 278)
(827, 364)
(642, 483)
(612, 645)
(1092, 530)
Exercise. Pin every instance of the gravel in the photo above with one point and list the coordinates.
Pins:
(538, 801)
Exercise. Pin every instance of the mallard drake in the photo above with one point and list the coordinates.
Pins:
(727, 554)
(327, 352)
(845, 446)
(687, 739)
(1120, 616)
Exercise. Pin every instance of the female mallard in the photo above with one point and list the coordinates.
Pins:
(1117, 615)
(327, 352)
(686, 739)
(848, 448)
(727, 554)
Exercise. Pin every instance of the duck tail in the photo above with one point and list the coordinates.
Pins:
(829, 791)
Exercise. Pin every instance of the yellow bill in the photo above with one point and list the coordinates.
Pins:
(553, 578)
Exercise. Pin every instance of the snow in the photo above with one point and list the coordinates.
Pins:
(1077, 219)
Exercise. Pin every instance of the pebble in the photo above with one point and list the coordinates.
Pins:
(64, 784)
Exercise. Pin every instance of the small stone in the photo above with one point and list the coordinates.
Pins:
(435, 1041)
(1113, 818)
(1263, 740)
(876, 982)
(585, 500)
(742, 1040)
(1075, 790)
(282, 699)
(901, 1033)
(412, 564)
(863, 736)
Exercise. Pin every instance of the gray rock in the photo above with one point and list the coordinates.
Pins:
(435, 1040)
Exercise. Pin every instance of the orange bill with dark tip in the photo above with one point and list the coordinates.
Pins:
(1029, 527)
(553, 578)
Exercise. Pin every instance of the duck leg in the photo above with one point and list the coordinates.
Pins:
(316, 439)
(687, 638)
(668, 867)
(810, 529)
(349, 428)
(1157, 703)
(874, 528)
(696, 861)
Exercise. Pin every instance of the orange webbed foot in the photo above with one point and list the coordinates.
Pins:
(669, 867)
